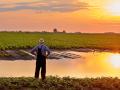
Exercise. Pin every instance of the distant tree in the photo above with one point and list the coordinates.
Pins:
(44, 31)
(109, 32)
(19, 31)
(55, 30)
(64, 31)
(77, 32)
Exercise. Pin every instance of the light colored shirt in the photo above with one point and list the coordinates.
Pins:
(44, 49)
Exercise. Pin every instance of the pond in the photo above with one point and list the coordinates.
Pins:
(89, 64)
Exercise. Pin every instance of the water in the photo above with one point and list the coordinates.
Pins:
(91, 64)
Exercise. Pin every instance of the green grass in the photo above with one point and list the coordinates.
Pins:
(17, 40)
(57, 83)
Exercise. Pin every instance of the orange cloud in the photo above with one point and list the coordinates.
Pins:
(47, 5)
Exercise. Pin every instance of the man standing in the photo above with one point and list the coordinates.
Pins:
(41, 51)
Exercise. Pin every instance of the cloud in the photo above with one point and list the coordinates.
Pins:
(45, 5)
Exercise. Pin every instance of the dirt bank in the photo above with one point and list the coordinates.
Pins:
(19, 54)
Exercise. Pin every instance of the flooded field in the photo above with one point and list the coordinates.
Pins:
(85, 64)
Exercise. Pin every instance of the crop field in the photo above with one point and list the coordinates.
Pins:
(57, 83)
(17, 40)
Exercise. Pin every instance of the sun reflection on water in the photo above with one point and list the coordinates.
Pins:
(97, 64)
(115, 60)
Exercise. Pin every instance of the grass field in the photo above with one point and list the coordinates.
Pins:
(56, 83)
(16, 40)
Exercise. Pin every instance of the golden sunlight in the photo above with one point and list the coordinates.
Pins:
(113, 8)
(115, 60)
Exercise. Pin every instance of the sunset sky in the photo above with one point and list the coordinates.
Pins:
(70, 15)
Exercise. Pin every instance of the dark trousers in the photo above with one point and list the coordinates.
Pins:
(40, 64)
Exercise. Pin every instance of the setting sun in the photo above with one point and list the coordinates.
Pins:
(113, 8)
(115, 60)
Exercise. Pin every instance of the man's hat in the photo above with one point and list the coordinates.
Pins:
(41, 40)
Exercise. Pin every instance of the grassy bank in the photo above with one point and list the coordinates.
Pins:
(56, 83)
(16, 40)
